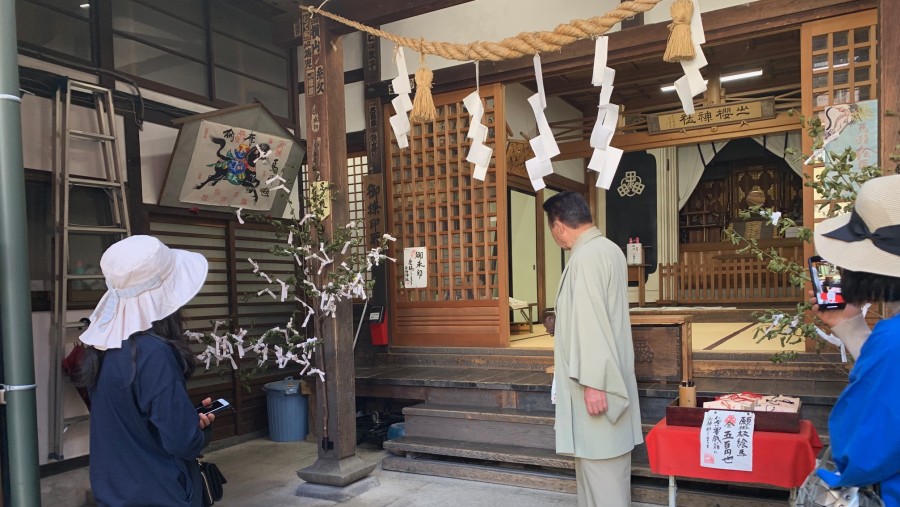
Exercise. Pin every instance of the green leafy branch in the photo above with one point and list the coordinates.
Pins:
(836, 184)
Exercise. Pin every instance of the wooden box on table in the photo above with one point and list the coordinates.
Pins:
(782, 422)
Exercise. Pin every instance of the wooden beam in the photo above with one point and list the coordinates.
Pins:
(375, 13)
(323, 61)
(643, 141)
(747, 20)
(889, 105)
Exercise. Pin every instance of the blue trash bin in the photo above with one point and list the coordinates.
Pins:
(287, 410)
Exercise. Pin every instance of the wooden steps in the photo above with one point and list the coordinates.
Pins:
(501, 359)
(510, 463)
(414, 446)
(485, 425)
(495, 424)
(753, 365)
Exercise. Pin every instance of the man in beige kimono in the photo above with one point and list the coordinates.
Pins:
(598, 420)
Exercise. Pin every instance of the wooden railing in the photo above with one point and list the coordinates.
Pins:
(715, 273)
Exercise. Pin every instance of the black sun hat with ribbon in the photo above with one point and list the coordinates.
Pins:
(868, 238)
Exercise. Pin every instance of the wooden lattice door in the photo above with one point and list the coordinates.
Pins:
(434, 202)
(839, 66)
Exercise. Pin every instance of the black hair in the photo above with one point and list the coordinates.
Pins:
(859, 287)
(168, 330)
(570, 208)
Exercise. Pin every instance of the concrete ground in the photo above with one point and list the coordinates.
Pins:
(263, 473)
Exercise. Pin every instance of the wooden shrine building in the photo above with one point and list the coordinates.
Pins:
(490, 268)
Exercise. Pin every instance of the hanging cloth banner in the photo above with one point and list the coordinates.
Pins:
(402, 103)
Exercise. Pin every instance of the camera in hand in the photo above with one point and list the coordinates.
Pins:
(826, 281)
(215, 407)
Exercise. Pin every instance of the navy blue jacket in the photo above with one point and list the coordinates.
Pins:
(145, 434)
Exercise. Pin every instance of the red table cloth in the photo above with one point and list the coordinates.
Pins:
(779, 459)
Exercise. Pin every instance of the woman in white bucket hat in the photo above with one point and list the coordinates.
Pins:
(145, 432)
(865, 245)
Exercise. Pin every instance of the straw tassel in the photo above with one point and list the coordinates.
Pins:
(423, 105)
(681, 45)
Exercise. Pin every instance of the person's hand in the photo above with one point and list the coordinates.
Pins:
(833, 317)
(595, 400)
(206, 419)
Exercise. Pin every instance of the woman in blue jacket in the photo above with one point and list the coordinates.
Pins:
(865, 244)
(146, 434)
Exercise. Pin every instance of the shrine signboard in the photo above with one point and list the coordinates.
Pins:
(711, 116)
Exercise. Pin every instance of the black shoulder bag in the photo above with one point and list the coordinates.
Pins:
(211, 479)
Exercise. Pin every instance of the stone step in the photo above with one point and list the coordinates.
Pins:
(651, 490)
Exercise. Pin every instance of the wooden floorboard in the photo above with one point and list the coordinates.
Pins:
(486, 452)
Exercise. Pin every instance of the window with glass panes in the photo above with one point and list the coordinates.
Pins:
(839, 76)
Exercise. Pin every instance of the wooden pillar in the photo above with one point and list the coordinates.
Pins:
(889, 69)
(326, 148)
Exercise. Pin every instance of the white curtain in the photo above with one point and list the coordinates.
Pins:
(784, 145)
(692, 160)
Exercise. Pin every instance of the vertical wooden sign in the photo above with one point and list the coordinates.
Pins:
(323, 61)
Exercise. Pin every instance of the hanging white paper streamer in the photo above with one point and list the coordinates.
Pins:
(603, 76)
(402, 104)
(692, 84)
(479, 154)
(611, 159)
(544, 144)
(605, 159)
(539, 78)
(601, 53)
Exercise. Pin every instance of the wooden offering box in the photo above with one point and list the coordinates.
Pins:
(782, 422)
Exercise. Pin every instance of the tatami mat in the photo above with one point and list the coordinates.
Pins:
(710, 336)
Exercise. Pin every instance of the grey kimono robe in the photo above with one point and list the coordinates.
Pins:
(592, 347)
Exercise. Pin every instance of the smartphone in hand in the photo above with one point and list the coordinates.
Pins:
(215, 407)
(826, 280)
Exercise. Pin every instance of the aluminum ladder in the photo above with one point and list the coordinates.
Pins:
(110, 182)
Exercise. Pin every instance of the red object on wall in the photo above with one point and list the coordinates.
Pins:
(377, 325)
(379, 333)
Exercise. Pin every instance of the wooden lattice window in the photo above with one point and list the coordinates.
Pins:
(839, 66)
(434, 202)
(226, 247)
(357, 168)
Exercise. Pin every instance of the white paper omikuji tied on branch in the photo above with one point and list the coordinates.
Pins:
(402, 103)
(692, 83)
(479, 154)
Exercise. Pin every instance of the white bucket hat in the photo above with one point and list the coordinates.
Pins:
(146, 281)
(868, 238)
